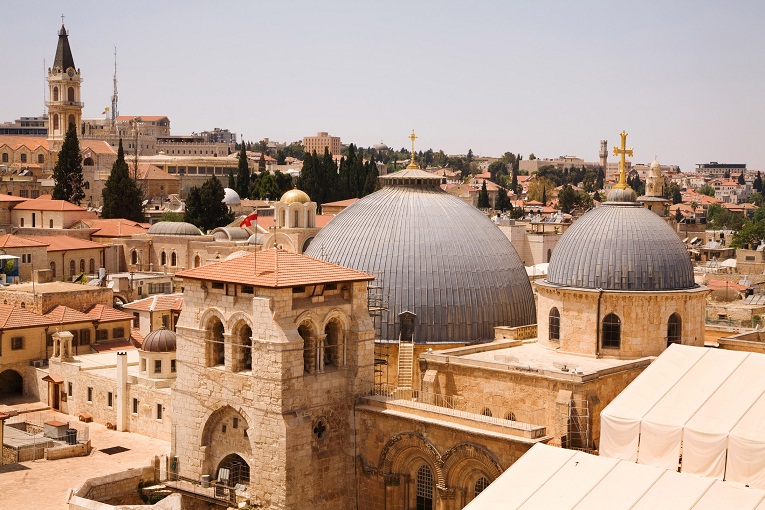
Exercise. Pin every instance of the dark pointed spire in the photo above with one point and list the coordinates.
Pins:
(64, 58)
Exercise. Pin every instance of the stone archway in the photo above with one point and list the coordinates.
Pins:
(226, 432)
(11, 383)
(238, 471)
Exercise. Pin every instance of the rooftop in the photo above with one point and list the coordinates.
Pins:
(275, 269)
(61, 243)
(159, 302)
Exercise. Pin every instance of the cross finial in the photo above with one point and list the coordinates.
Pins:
(412, 165)
(62, 20)
(621, 152)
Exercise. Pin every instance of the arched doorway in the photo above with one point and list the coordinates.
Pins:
(11, 383)
(233, 470)
(215, 343)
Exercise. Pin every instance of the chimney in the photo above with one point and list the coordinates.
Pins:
(122, 406)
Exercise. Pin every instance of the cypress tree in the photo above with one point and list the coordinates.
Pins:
(231, 180)
(205, 207)
(502, 203)
(67, 173)
(262, 162)
(121, 196)
(483, 197)
(370, 185)
(242, 185)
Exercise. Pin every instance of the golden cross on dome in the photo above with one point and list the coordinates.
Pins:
(412, 165)
(621, 152)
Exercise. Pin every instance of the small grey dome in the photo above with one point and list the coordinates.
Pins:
(230, 233)
(231, 197)
(434, 255)
(255, 239)
(159, 340)
(174, 228)
(621, 246)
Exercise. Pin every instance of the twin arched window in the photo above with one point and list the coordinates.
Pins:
(554, 325)
(612, 332)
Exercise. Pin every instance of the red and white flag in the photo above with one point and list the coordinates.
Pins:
(246, 222)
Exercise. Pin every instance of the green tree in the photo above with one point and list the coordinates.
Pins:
(242, 185)
(532, 157)
(171, 216)
(483, 197)
(757, 184)
(567, 199)
(67, 173)
(497, 169)
(749, 234)
(600, 181)
(741, 179)
(757, 199)
(231, 180)
(121, 196)
(262, 162)
(707, 190)
(469, 157)
(205, 207)
(502, 202)
(265, 186)
(371, 183)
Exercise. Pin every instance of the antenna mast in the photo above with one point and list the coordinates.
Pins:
(114, 96)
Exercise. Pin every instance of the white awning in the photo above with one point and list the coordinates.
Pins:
(728, 263)
(709, 401)
(549, 477)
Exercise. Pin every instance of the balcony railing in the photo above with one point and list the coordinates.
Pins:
(64, 103)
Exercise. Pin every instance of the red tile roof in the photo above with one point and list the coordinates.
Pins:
(150, 172)
(341, 203)
(41, 204)
(158, 302)
(322, 220)
(115, 227)
(61, 243)
(103, 313)
(275, 269)
(30, 142)
(11, 198)
(63, 314)
(12, 316)
(97, 146)
(14, 241)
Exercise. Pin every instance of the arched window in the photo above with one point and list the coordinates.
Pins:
(295, 223)
(510, 416)
(486, 412)
(163, 259)
(55, 93)
(40, 159)
(424, 488)
(82, 265)
(55, 122)
(92, 268)
(333, 340)
(21, 222)
(23, 158)
(309, 355)
(554, 324)
(549, 255)
(134, 257)
(197, 261)
(215, 347)
(71, 121)
(282, 219)
(71, 268)
(242, 349)
(173, 259)
(479, 486)
(674, 329)
(612, 332)
(50, 223)
(70, 94)
(53, 269)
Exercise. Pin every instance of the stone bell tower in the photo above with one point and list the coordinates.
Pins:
(64, 103)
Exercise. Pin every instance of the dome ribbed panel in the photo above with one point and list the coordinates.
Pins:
(621, 247)
(433, 255)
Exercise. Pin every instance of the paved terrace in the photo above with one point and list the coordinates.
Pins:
(43, 485)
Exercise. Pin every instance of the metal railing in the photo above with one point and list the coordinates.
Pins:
(457, 406)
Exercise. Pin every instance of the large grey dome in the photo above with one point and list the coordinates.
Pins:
(434, 255)
(621, 246)
(174, 228)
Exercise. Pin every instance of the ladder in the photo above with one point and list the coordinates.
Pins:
(405, 364)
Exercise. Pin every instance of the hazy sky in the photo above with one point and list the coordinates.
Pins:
(685, 79)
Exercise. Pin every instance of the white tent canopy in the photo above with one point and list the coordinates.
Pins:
(707, 403)
(548, 477)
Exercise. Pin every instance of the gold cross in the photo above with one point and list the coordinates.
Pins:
(621, 152)
(412, 165)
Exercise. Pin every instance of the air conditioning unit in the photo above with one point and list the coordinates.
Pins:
(39, 363)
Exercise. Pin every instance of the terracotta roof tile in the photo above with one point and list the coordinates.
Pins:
(41, 204)
(323, 219)
(11, 198)
(30, 142)
(115, 227)
(12, 316)
(63, 314)
(341, 203)
(103, 313)
(275, 269)
(14, 241)
(158, 302)
(97, 146)
(60, 243)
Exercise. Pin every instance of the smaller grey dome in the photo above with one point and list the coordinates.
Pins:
(174, 228)
(255, 239)
(231, 197)
(230, 233)
(159, 340)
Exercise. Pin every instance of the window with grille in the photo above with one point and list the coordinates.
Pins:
(479, 486)
(424, 488)
(674, 329)
(17, 343)
(102, 334)
(135, 406)
(612, 332)
(109, 399)
(118, 333)
(90, 394)
(554, 324)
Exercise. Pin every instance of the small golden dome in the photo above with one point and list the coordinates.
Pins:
(295, 196)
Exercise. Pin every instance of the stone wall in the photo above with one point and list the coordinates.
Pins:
(643, 315)
(171, 502)
(115, 485)
(66, 451)
(392, 445)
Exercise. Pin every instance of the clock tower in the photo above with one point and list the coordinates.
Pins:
(64, 104)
